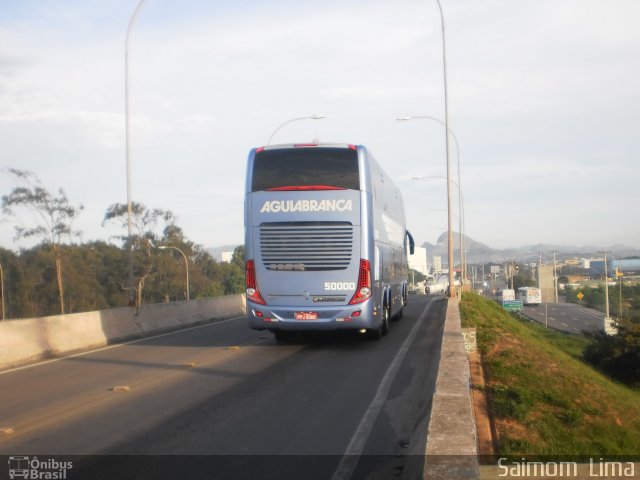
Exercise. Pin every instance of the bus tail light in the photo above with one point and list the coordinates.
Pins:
(252, 286)
(363, 290)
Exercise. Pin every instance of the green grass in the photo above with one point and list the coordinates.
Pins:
(543, 398)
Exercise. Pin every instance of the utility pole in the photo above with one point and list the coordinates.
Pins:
(606, 289)
(555, 278)
(539, 268)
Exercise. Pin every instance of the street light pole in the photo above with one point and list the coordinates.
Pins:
(463, 262)
(606, 290)
(315, 116)
(132, 290)
(186, 262)
(555, 276)
(452, 292)
(463, 266)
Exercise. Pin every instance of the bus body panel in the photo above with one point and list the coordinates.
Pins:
(307, 246)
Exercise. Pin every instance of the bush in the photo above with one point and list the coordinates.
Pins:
(617, 355)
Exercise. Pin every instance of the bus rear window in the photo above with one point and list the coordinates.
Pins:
(305, 168)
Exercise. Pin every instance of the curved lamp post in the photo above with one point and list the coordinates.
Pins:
(186, 262)
(132, 290)
(315, 116)
(405, 118)
(463, 265)
(452, 292)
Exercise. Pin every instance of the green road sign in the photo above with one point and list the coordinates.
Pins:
(512, 305)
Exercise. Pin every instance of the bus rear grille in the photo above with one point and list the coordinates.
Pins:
(306, 246)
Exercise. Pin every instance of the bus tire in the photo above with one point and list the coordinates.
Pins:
(385, 320)
(375, 333)
(282, 336)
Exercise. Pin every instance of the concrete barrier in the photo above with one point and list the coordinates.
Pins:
(28, 340)
(451, 450)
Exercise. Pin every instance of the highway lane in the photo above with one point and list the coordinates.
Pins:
(222, 389)
(567, 317)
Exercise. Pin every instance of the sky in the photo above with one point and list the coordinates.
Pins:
(543, 101)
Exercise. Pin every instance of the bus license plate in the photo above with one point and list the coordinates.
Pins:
(306, 315)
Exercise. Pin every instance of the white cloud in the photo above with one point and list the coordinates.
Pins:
(543, 99)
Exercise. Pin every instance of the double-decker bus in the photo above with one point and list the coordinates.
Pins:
(325, 241)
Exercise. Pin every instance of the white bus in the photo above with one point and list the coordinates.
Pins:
(326, 241)
(529, 295)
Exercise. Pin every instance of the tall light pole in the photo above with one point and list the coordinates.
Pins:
(463, 262)
(186, 262)
(314, 116)
(606, 289)
(446, 136)
(463, 268)
(132, 290)
(452, 292)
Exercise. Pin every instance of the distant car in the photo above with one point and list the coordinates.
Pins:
(480, 291)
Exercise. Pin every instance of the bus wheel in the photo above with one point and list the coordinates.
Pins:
(385, 320)
(375, 334)
(282, 335)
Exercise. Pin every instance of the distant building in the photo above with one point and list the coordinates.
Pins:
(628, 266)
(437, 264)
(226, 257)
(418, 261)
(546, 283)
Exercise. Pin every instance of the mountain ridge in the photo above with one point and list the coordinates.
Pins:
(480, 252)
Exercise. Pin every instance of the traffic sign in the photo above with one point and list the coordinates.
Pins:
(512, 305)
(580, 295)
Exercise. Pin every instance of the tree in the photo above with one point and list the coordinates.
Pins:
(617, 355)
(145, 222)
(233, 273)
(54, 216)
(523, 280)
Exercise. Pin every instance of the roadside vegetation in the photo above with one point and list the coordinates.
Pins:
(544, 399)
(624, 300)
(617, 355)
(60, 275)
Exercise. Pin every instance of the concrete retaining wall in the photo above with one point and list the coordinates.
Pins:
(451, 450)
(27, 340)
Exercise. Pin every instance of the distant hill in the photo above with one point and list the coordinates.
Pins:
(479, 252)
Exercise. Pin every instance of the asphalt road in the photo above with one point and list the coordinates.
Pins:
(567, 317)
(326, 407)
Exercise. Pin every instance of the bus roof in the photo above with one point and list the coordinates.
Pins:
(307, 145)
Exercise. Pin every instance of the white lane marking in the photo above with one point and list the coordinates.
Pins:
(117, 345)
(564, 324)
(359, 439)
